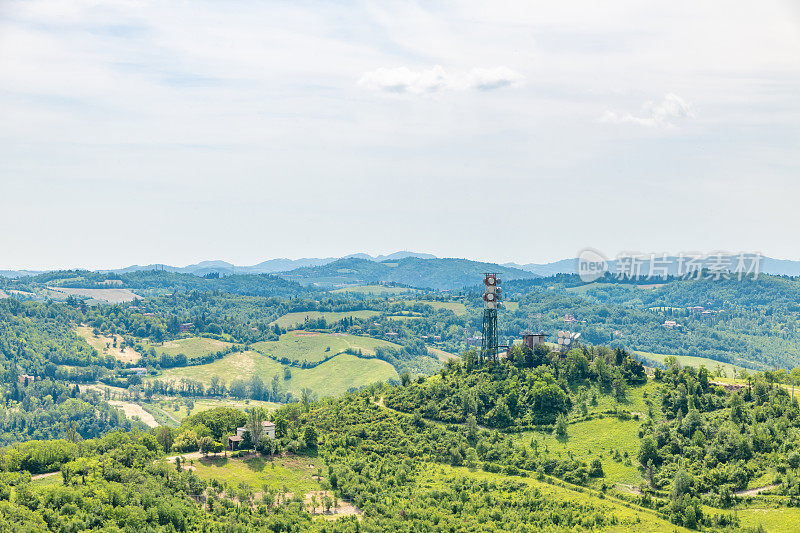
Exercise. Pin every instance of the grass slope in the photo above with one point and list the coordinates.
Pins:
(105, 345)
(438, 477)
(330, 378)
(456, 307)
(191, 347)
(292, 473)
(373, 290)
(312, 347)
(687, 360)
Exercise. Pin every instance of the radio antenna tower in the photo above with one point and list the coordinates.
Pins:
(491, 299)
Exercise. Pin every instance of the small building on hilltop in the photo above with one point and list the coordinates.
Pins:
(235, 441)
(532, 339)
(269, 428)
(730, 387)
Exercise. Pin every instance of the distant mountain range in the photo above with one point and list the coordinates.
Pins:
(289, 267)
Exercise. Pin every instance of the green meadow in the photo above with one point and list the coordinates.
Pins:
(333, 377)
(292, 473)
(440, 477)
(312, 346)
(373, 290)
(458, 308)
(191, 347)
(291, 320)
(697, 362)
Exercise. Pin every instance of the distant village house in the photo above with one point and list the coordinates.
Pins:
(235, 441)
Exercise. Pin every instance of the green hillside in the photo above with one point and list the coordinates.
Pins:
(423, 273)
(330, 378)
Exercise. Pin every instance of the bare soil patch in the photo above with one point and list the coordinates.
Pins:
(112, 296)
(131, 410)
(105, 345)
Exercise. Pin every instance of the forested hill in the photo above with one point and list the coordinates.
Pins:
(441, 274)
(244, 284)
(751, 323)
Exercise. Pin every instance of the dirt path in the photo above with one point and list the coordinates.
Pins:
(42, 476)
(190, 455)
(756, 491)
(133, 409)
(629, 488)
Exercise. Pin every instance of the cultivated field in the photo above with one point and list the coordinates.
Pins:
(191, 347)
(687, 360)
(330, 378)
(373, 290)
(105, 345)
(133, 410)
(441, 355)
(291, 320)
(113, 296)
(457, 307)
(172, 411)
(312, 347)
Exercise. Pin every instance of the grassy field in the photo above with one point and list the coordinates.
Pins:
(602, 437)
(687, 360)
(330, 378)
(172, 411)
(113, 296)
(311, 346)
(290, 320)
(403, 318)
(437, 477)
(373, 290)
(457, 307)
(191, 347)
(773, 520)
(582, 289)
(598, 438)
(441, 355)
(105, 345)
(290, 473)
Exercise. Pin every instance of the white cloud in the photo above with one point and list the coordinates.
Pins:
(435, 79)
(663, 113)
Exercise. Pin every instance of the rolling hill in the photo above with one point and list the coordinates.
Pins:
(441, 274)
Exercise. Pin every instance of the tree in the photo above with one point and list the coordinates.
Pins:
(306, 397)
(165, 438)
(310, 436)
(255, 425)
(681, 485)
(560, 430)
(206, 445)
(647, 451)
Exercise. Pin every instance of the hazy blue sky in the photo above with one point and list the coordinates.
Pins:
(158, 131)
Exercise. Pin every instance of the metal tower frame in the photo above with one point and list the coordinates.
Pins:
(491, 297)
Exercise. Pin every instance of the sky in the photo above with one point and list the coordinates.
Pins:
(136, 132)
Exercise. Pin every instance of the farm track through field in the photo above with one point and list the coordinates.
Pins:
(756, 491)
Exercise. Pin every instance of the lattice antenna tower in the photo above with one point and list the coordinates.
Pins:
(491, 301)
